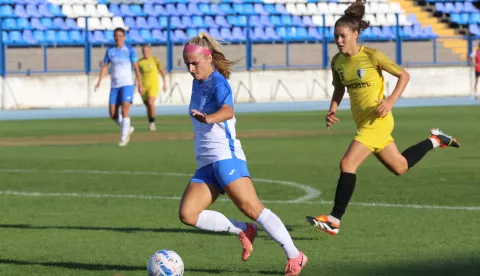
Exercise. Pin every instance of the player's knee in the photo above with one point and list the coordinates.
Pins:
(188, 216)
(251, 209)
(400, 170)
(346, 165)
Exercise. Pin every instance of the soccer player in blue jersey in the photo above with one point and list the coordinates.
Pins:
(121, 58)
(221, 162)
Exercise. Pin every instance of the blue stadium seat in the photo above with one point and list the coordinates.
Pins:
(221, 21)
(428, 32)
(62, 37)
(232, 20)
(257, 35)
(237, 8)
(135, 37)
(23, 24)
(77, 37)
(58, 23)
(255, 21)
(39, 36)
(32, 11)
(412, 18)
(450, 7)
(5, 37)
(108, 34)
(47, 23)
(180, 36)
(388, 32)
(270, 9)
(469, 7)
(71, 24)
(182, 9)
(191, 32)
(99, 37)
(242, 21)
(16, 37)
(50, 36)
(160, 10)
(146, 35)
(142, 23)
(280, 8)
(313, 33)
(307, 21)
(286, 20)
(137, 10)
(187, 21)
(226, 34)
(115, 9)
(20, 11)
(153, 23)
(198, 22)
(126, 11)
(215, 9)
(210, 22)
(474, 18)
(163, 21)
(265, 21)
(149, 10)
(297, 21)
(214, 32)
(367, 34)
(226, 9)
(238, 34)
(276, 21)
(193, 9)
(9, 24)
(271, 34)
(205, 9)
(44, 11)
(56, 10)
(6, 11)
(258, 8)
(28, 37)
(159, 36)
(248, 9)
(130, 22)
(176, 23)
(171, 10)
(37, 25)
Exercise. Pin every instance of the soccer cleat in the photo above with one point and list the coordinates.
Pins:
(152, 127)
(124, 142)
(295, 265)
(247, 238)
(443, 139)
(323, 223)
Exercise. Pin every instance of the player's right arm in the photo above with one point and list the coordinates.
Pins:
(103, 71)
(338, 93)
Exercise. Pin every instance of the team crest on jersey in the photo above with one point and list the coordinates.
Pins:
(361, 73)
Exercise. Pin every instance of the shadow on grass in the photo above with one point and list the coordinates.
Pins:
(133, 230)
(118, 268)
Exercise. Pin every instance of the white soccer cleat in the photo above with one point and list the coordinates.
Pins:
(152, 127)
(124, 142)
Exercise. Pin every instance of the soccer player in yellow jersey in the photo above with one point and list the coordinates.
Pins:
(150, 67)
(359, 69)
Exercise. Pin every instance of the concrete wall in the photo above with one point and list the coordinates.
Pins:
(255, 86)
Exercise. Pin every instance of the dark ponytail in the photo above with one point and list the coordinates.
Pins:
(353, 17)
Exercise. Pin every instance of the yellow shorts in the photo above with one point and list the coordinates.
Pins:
(377, 134)
(150, 91)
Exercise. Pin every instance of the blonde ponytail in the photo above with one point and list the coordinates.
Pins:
(220, 62)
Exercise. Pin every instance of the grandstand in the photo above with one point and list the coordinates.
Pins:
(63, 24)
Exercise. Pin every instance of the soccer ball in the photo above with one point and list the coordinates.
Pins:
(165, 263)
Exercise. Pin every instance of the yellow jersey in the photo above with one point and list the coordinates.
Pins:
(362, 75)
(150, 68)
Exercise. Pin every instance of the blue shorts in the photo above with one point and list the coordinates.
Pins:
(222, 173)
(121, 95)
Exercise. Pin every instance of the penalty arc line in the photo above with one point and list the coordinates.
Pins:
(311, 193)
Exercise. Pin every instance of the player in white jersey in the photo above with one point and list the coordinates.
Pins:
(221, 162)
(121, 57)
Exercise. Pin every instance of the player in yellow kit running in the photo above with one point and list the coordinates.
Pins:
(150, 67)
(359, 69)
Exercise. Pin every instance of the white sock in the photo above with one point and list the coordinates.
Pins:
(277, 231)
(125, 127)
(435, 143)
(217, 222)
(119, 120)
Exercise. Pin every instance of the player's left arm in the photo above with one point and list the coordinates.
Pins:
(162, 73)
(223, 97)
(386, 64)
(138, 75)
